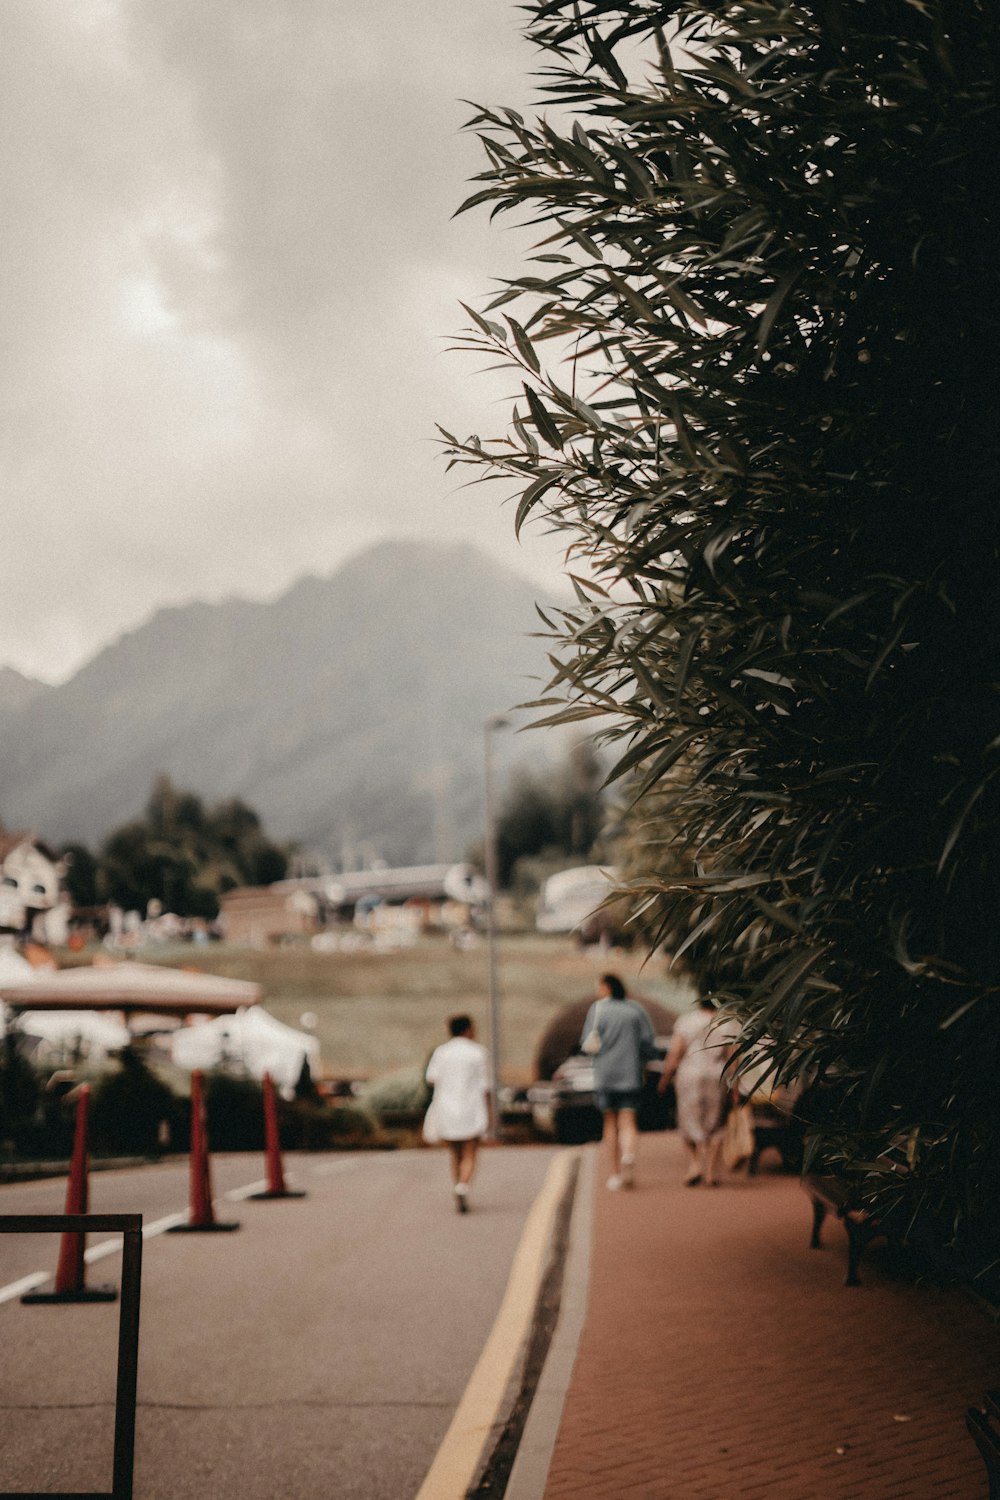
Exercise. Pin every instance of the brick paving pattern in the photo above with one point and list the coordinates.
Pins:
(722, 1357)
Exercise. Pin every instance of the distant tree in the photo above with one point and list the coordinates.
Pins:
(138, 865)
(266, 863)
(581, 800)
(234, 827)
(82, 874)
(161, 807)
(184, 854)
(526, 825)
(560, 813)
(189, 813)
(233, 824)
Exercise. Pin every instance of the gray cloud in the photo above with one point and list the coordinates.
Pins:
(230, 273)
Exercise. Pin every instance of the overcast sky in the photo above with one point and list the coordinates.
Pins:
(228, 277)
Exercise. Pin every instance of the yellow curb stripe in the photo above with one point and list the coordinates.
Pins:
(457, 1459)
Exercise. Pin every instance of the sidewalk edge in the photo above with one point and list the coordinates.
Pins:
(530, 1471)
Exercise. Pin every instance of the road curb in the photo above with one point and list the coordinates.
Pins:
(530, 1471)
(459, 1458)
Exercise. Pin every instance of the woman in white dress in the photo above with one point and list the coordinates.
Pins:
(459, 1074)
(700, 1048)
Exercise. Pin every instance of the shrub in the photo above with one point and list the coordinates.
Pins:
(767, 426)
(234, 1104)
(20, 1089)
(128, 1107)
(405, 1089)
(308, 1126)
(235, 1107)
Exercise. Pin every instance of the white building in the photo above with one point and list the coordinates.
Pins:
(31, 902)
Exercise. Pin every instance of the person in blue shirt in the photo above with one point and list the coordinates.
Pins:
(618, 1034)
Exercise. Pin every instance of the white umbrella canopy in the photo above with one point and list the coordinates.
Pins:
(129, 987)
(101, 1033)
(253, 1038)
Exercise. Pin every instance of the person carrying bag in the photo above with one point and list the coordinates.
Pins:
(618, 1035)
(740, 1138)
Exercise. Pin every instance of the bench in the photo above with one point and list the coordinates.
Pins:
(828, 1193)
(773, 1130)
(987, 1438)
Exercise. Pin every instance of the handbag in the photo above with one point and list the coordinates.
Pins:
(739, 1139)
(430, 1131)
(591, 1043)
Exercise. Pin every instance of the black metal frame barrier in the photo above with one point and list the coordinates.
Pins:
(129, 1226)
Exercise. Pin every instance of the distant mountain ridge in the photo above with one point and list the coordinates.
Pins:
(349, 712)
(17, 691)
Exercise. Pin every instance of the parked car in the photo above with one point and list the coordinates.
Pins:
(564, 1106)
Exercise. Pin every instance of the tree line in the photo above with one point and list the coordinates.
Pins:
(181, 854)
(552, 818)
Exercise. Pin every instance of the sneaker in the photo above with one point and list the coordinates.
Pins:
(628, 1171)
(462, 1197)
(615, 1182)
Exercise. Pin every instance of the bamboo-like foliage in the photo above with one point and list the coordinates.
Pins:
(756, 350)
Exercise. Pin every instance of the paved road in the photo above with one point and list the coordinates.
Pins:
(321, 1349)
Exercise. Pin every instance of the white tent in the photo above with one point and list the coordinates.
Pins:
(252, 1039)
(13, 968)
(569, 897)
(58, 1029)
(62, 1029)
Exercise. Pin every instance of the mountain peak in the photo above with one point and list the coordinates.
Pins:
(348, 711)
(387, 563)
(17, 690)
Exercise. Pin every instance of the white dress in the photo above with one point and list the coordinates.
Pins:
(460, 1075)
(698, 1082)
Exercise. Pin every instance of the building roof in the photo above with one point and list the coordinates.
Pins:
(11, 841)
(248, 894)
(414, 882)
(131, 986)
(263, 897)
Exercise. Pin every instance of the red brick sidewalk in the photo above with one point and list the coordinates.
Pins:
(722, 1357)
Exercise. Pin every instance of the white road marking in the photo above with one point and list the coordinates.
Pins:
(236, 1195)
(160, 1226)
(149, 1231)
(26, 1284)
(328, 1168)
(98, 1252)
(113, 1246)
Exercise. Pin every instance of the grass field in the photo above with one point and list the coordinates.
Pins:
(377, 1012)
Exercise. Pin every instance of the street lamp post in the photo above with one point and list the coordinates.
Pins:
(490, 859)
